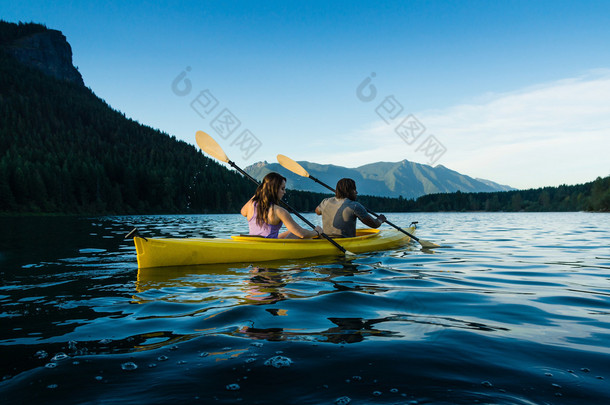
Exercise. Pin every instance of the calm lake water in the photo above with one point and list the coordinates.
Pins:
(513, 309)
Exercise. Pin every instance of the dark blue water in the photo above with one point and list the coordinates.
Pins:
(513, 309)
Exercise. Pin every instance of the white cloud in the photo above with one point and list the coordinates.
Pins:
(546, 135)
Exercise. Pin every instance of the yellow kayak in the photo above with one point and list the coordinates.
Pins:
(162, 252)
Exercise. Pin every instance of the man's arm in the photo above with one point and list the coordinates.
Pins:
(367, 219)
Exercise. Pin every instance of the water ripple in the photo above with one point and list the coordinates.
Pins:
(513, 309)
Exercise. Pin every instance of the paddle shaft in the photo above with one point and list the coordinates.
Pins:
(289, 208)
(368, 210)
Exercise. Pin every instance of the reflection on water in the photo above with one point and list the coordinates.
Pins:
(513, 309)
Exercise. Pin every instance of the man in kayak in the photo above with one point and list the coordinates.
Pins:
(339, 213)
(265, 216)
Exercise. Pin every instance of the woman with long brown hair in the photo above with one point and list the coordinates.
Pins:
(265, 215)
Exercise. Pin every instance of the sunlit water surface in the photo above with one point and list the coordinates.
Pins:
(512, 309)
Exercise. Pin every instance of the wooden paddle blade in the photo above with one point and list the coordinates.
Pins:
(292, 165)
(210, 146)
(427, 244)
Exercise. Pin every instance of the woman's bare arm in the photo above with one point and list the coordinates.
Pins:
(247, 210)
(292, 226)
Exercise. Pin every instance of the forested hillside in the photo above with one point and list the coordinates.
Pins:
(592, 196)
(62, 149)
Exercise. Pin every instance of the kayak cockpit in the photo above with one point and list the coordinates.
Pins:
(361, 234)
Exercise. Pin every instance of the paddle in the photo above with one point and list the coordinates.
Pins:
(211, 147)
(300, 170)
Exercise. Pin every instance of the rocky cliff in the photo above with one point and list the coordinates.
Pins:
(48, 51)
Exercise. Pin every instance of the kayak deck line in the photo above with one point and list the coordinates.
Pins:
(362, 234)
(163, 252)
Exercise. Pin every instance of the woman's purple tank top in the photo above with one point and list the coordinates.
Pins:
(266, 230)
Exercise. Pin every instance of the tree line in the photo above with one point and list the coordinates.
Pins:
(64, 150)
(592, 196)
(10, 31)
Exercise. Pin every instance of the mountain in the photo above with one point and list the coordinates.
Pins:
(490, 183)
(64, 150)
(45, 49)
(385, 179)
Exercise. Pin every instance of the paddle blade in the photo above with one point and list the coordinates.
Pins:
(427, 244)
(209, 146)
(292, 165)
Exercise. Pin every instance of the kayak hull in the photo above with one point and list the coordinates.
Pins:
(162, 252)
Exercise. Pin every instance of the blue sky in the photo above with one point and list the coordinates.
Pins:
(517, 92)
